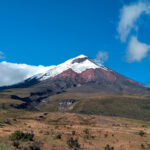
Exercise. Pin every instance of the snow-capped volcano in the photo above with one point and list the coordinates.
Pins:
(76, 85)
(67, 87)
(77, 72)
(77, 64)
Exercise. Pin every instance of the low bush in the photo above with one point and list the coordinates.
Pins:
(86, 131)
(108, 147)
(59, 136)
(18, 135)
(7, 122)
(73, 132)
(73, 143)
(16, 144)
(34, 146)
(142, 146)
(142, 133)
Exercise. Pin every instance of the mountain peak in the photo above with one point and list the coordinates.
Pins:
(80, 56)
(82, 70)
(77, 64)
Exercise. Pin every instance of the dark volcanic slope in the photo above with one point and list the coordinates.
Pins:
(106, 81)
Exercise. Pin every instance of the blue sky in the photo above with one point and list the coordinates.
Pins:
(49, 32)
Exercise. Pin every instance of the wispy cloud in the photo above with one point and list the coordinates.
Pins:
(11, 73)
(101, 57)
(147, 85)
(136, 50)
(2, 56)
(128, 17)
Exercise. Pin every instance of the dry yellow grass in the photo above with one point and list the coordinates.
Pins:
(122, 134)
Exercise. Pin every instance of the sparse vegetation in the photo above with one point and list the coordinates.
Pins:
(91, 136)
(142, 146)
(73, 132)
(142, 133)
(106, 135)
(108, 147)
(34, 146)
(86, 131)
(73, 143)
(16, 144)
(18, 135)
(7, 121)
(59, 136)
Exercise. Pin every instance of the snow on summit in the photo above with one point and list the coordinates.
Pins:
(77, 64)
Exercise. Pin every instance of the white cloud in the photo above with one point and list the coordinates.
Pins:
(136, 50)
(11, 73)
(128, 17)
(148, 85)
(2, 55)
(101, 57)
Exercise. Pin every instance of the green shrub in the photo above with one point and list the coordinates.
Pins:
(106, 135)
(7, 122)
(141, 133)
(142, 146)
(86, 131)
(73, 132)
(59, 136)
(34, 146)
(73, 143)
(108, 147)
(86, 134)
(16, 144)
(18, 135)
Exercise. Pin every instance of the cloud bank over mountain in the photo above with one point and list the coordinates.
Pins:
(11, 73)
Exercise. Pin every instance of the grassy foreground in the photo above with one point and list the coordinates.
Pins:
(69, 131)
